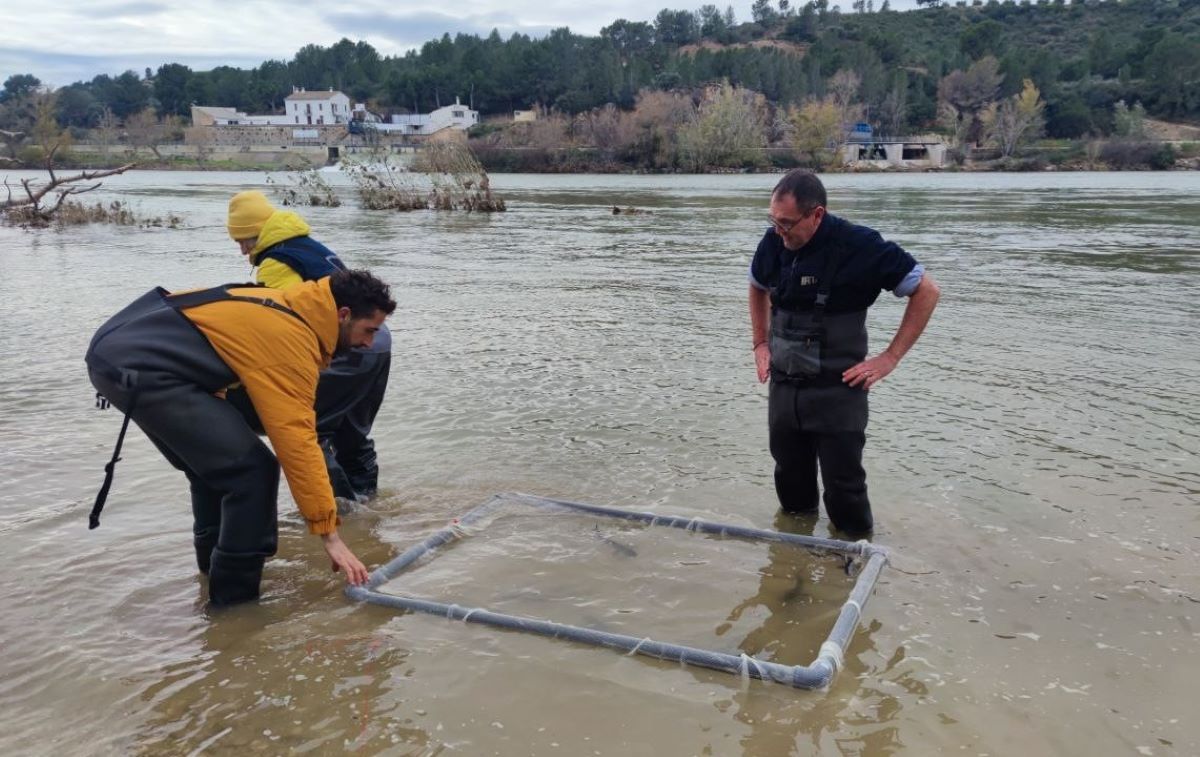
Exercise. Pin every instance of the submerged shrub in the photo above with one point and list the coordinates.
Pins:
(446, 176)
(459, 179)
(383, 184)
(308, 187)
(72, 213)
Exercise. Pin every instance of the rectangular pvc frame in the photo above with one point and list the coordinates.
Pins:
(817, 675)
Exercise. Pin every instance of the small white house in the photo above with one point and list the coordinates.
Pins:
(316, 108)
(207, 115)
(456, 116)
(360, 113)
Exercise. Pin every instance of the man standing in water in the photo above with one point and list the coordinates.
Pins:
(811, 281)
(278, 245)
(165, 360)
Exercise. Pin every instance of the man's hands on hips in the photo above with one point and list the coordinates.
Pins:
(871, 371)
(343, 559)
(762, 361)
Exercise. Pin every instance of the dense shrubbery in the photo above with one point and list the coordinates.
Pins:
(1132, 155)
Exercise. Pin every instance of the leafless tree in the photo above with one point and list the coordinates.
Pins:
(657, 121)
(728, 131)
(963, 95)
(106, 129)
(144, 129)
(1015, 120)
(843, 89)
(893, 110)
(603, 127)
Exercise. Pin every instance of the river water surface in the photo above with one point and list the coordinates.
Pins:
(1032, 463)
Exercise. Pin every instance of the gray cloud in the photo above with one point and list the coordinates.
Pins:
(140, 10)
(60, 69)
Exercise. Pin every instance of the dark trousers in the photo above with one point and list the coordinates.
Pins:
(349, 394)
(348, 398)
(800, 450)
(234, 477)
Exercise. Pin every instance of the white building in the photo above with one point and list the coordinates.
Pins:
(301, 108)
(456, 116)
(315, 108)
(208, 115)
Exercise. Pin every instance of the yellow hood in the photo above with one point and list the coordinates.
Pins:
(281, 226)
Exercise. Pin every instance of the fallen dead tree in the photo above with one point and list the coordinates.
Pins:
(36, 203)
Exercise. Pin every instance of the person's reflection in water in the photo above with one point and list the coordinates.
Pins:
(798, 600)
(287, 674)
(782, 595)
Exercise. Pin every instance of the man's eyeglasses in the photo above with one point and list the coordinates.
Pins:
(784, 227)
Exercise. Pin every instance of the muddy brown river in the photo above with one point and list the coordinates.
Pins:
(1033, 466)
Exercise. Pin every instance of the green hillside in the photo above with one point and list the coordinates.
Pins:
(1083, 56)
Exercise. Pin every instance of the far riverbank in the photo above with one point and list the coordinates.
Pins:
(1048, 155)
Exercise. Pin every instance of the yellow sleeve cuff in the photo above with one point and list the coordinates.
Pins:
(325, 526)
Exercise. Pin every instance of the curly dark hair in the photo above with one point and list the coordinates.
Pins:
(361, 292)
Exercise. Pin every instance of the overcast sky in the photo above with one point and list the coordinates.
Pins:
(64, 41)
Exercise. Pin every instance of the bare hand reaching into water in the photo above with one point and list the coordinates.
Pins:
(343, 559)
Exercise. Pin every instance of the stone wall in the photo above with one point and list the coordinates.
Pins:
(257, 136)
(313, 135)
(262, 155)
(912, 154)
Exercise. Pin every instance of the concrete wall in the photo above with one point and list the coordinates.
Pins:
(336, 135)
(893, 154)
(260, 136)
(262, 155)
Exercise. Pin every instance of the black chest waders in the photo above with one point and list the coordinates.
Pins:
(797, 337)
(152, 304)
(813, 416)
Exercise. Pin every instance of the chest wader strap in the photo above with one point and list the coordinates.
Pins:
(831, 266)
(128, 379)
(797, 339)
(221, 293)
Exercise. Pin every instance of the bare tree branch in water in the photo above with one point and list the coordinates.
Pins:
(39, 202)
(35, 205)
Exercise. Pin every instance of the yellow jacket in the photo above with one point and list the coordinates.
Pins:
(278, 358)
(281, 226)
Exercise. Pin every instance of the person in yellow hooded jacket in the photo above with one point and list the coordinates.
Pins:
(165, 361)
(279, 248)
